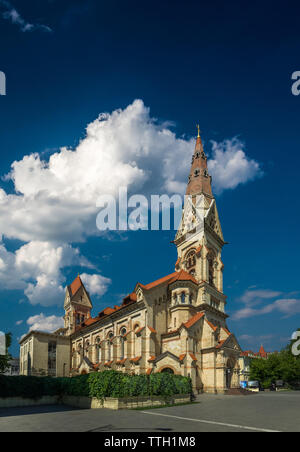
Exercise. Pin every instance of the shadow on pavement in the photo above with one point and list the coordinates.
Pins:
(23, 411)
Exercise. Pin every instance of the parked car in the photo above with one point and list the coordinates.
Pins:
(255, 386)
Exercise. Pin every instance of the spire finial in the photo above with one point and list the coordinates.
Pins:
(198, 127)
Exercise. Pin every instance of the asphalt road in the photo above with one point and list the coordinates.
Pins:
(214, 413)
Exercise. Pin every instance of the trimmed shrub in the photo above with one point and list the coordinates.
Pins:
(99, 385)
(29, 387)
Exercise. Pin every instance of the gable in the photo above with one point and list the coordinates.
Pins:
(212, 220)
(167, 356)
(231, 342)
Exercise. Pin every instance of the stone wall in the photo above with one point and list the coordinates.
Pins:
(93, 403)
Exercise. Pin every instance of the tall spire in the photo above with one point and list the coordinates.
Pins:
(199, 178)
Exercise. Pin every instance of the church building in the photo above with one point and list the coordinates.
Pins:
(176, 324)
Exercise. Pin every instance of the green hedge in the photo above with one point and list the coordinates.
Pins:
(29, 387)
(100, 385)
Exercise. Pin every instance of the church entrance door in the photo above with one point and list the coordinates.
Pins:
(229, 373)
(167, 370)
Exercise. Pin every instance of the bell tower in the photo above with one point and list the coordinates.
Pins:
(77, 306)
(200, 240)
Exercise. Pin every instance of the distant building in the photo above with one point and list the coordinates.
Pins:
(45, 354)
(14, 369)
(245, 361)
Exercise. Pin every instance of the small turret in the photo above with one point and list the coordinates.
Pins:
(77, 306)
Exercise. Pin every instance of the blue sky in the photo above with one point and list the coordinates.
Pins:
(157, 69)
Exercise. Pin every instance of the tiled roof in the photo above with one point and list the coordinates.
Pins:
(158, 282)
(90, 321)
(198, 250)
(181, 357)
(131, 298)
(246, 353)
(152, 358)
(262, 352)
(136, 360)
(122, 361)
(226, 331)
(75, 286)
(183, 276)
(193, 320)
(140, 330)
(177, 262)
(220, 344)
(193, 357)
(170, 332)
(211, 325)
(152, 329)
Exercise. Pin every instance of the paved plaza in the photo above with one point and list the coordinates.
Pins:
(266, 412)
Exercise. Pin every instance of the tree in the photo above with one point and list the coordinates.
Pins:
(4, 360)
(279, 366)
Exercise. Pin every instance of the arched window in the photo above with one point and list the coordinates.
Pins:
(80, 351)
(190, 259)
(98, 350)
(123, 331)
(109, 349)
(182, 297)
(211, 268)
(196, 172)
(122, 354)
(88, 349)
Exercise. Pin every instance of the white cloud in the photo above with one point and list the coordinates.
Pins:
(257, 296)
(11, 14)
(230, 165)
(95, 284)
(36, 268)
(19, 322)
(253, 298)
(47, 324)
(54, 201)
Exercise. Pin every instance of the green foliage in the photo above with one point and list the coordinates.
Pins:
(29, 387)
(4, 360)
(279, 366)
(99, 385)
(116, 384)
